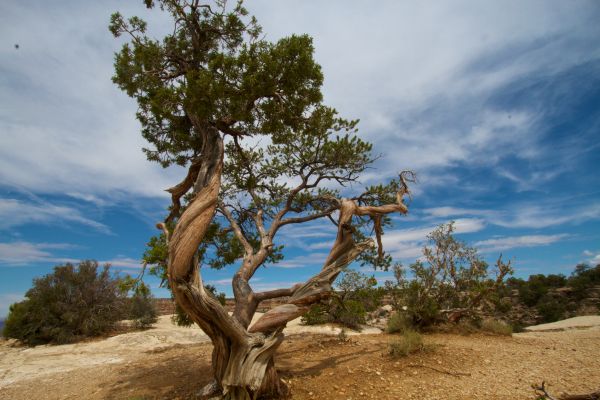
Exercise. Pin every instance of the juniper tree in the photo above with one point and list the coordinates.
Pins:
(245, 117)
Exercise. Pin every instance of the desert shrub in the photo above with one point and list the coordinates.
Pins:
(451, 282)
(496, 327)
(142, 308)
(398, 322)
(410, 342)
(317, 314)
(69, 304)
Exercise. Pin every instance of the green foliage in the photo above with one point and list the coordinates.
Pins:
(409, 342)
(69, 304)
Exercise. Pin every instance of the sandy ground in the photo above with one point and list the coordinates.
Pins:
(19, 363)
(168, 362)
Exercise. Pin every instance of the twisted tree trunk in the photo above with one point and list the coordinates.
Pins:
(243, 357)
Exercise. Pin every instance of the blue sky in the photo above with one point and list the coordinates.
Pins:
(496, 105)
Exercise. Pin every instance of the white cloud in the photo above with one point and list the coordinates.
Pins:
(123, 262)
(510, 242)
(592, 257)
(68, 129)
(18, 212)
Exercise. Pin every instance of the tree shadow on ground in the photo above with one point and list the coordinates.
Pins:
(294, 363)
(180, 375)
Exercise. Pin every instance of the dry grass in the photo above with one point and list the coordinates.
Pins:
(409, 342)
(496, 327)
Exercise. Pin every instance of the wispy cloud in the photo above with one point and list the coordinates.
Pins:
(542, 216)
(20, 212)
(408, 243)
(302, 261)
(510, 242)
(524, 215)
(20, 253)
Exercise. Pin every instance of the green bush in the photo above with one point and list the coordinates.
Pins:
(410, 342)
(496, 327)
(69, 304)
(316, 315)
(351, 314)
(142, 309)
(398, 322)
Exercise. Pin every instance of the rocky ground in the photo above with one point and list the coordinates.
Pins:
(167, 362)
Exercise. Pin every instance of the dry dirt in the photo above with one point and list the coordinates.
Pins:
(168, 363)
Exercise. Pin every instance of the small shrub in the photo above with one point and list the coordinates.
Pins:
(410, 342)
(142, 309)
(496, 327)
(398, 322)
(351, 314)
(69, 304)
(316, 315)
